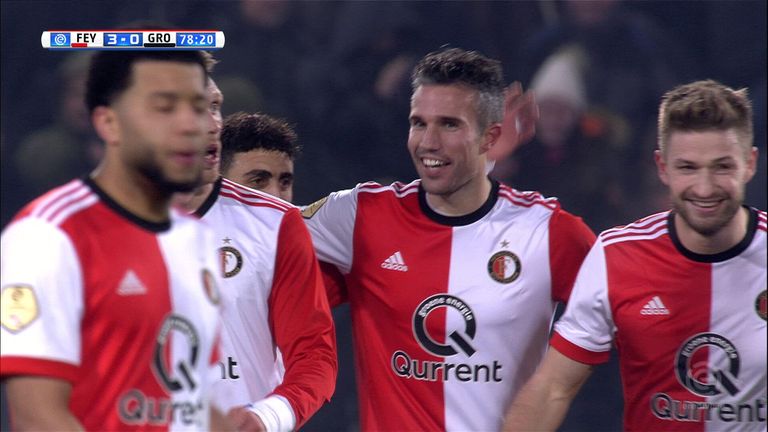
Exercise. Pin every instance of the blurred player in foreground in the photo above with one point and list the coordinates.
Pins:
(109, 298)
(452, 278)
(279, 364)
(681, 293)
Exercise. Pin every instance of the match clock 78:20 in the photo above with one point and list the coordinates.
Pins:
(196, 39)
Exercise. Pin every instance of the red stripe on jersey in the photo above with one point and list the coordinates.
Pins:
(566, 233)
(252, 197)
(646, 226)
(762, 220)
(651, 273)
(528, 199)
(13, 365)
(119, 331)
(399, 189)
(245, 201)
(391, 296)
(308, 345)
(74, 202)
(56, 195)
(45, 201)
(576, 352)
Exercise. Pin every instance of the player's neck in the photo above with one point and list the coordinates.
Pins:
(721, 241)
(191, 201)
(463, 201)
(133, 192)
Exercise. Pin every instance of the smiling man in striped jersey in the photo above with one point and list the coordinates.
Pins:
(451, 279)
(681, 293)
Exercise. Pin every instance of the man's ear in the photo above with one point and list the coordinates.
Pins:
(106, 124)
(752, 163)
(490, 137)
(661, 167)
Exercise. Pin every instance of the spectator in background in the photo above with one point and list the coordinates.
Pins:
(576, 154)
(68, 147)
(629, 61)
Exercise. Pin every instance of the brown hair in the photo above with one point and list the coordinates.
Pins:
(705, 106)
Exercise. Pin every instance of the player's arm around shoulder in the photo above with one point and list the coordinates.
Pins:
(331, 223)
(543, 402)
(302, 323)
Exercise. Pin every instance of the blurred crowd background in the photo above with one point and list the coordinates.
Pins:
(339, 71)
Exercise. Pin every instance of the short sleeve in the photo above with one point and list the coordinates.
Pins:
(331, 222)
(585, 331)
(42, 300)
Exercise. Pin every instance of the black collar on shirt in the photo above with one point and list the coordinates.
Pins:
(459, 220)
(718, 257)
(122, 211)
(208, 203)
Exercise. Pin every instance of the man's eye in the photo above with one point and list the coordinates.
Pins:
(259, 182)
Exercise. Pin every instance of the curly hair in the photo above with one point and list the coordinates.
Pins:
(243, 132)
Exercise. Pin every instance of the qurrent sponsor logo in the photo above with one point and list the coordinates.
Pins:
(406, 366)
(183, 405)
(706, 380)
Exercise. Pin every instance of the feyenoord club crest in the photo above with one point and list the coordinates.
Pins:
(504, 267)
(761, 304)
(231, 261)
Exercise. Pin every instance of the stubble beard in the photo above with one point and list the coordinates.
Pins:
(154, 173)
(712, 226)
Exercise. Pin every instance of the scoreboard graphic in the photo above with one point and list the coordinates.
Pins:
(132, 39)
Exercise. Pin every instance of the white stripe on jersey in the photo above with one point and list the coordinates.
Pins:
(59, 200)
(398, 189)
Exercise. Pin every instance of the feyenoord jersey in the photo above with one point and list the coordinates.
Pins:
(690, 329)
(279, 336)
(451, 314)
(123, 309)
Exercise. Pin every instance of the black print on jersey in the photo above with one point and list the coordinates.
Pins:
(761, 304)
(184, 367)
(426, 341)
(231, 261)
(693, 376)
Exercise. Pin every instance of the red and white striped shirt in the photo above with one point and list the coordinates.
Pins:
(451, 314)
(279, 338)
(690, 329)
(123, 309)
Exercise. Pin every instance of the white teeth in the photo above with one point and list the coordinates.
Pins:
(705, 204)
(432, 163)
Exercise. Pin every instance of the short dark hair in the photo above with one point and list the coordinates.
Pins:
(705, 106)
(110, 71)
(243, 132)
(469, 68)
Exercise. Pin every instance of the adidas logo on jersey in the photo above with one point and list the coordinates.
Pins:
(654, 307)
(395, 262)
(131, 285)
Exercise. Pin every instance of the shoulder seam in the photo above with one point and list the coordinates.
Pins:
(252, 197)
